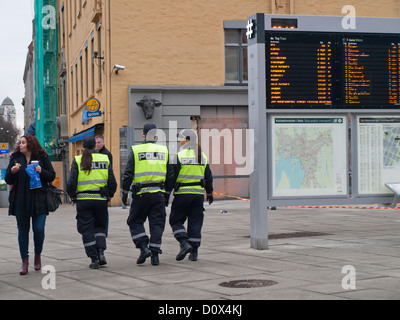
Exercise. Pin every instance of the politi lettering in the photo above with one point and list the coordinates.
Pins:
(151, 156)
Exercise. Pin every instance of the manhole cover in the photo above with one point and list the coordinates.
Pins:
(248, 283)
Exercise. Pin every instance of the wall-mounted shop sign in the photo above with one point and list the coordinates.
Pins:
(91, 110)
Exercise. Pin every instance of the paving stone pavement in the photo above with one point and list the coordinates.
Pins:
(307, 251)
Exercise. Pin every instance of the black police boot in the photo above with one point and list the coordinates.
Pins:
(144, 254)
(95, 263)
(185, 249)
(102, 258)
(155, 261)
(193, 255)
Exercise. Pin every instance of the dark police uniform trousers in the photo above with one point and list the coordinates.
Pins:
(188, 206)
(91, 223)
(151, 206)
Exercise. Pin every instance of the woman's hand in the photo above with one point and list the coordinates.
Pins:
(38, 169)
(15, 168)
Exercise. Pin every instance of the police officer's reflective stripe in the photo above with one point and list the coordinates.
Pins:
(150, 189)
(179, 231)
(186, 176)
(88, 244)
(147, 182)
(100, 235)
(194, 239)
(189, 190)
(82, 183)
(89, 196)
(143, 174)
(139, 235)
(154, 245)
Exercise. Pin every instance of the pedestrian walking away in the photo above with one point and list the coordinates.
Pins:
(91, 184)
(192, 176)
(103, 150)
(146, 171)
(29, 204)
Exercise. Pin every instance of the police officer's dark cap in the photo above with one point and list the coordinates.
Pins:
(148, 126)
(89, 142)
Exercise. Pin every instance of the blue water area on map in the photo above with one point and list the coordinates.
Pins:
(293, 169)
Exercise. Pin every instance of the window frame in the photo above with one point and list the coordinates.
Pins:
(240, 27)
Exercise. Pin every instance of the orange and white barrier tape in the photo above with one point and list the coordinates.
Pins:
(226, 195)
(318, 207)
(344, 207)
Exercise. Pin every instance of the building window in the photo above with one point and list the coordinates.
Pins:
(81, 69)
(70, 13)
(72, 89)
(63, 23)
(92, 55)
(76, 84)
(235, 56)
(64, 96)
(99, 50)
(86, 69)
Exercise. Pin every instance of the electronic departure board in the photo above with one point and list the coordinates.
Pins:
(331, 70)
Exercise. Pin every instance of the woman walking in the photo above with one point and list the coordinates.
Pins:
(92, 184)
(192, 176)
(28, 204)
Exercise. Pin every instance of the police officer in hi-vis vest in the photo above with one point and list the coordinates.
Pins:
(145, 174)
(91, 184)
(192, 175)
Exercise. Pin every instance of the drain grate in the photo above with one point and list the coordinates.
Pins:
(248, 283)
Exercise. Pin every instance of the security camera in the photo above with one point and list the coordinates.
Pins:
(117, 67)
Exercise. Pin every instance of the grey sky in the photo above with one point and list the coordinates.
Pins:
(15, 36)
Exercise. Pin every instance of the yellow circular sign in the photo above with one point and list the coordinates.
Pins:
(93, 105)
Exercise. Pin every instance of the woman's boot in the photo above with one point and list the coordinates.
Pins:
(24, 267)
(37, 262)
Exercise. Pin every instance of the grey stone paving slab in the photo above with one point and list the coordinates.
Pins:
(305, 268)
(370, 294)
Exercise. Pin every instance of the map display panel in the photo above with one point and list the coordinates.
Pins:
(378, 153)
(309, 156)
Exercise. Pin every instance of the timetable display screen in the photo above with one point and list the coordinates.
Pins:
(331, 70)
(299, 69)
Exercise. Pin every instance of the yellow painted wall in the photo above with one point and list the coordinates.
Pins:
(364, 8)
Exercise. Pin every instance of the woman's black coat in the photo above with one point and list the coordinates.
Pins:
(26, 202)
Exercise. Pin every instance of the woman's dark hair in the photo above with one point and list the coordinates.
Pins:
(33, 145)
(86, 162)
(89, 143)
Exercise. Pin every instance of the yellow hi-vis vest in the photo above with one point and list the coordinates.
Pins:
(92, 182)
(150, 166)
(191, 172)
